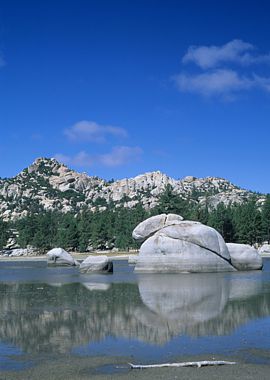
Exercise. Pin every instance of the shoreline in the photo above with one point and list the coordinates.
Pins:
(117, 367)
(81, 256)
(77, 256)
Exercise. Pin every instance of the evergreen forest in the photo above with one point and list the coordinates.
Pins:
(246, 223)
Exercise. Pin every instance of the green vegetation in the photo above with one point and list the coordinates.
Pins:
(247, 223)
(87, 230)
(3, 233)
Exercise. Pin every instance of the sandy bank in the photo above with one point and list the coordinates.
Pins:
(114, 368)
(77, 256)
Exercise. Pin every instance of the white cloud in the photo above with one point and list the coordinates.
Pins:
(216, 76)
(91, 131)
(235, 51)
(81, 159)
(120, 155)
(215, 82)
(262, 82)
(220, 82)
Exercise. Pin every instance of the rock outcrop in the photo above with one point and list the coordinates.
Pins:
(188, 246)
(94, 264)
(50, 185)
(58, 256)
(244, 257)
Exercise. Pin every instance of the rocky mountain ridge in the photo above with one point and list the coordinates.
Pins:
(50, 185)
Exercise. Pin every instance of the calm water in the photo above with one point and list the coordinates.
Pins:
(56, 312)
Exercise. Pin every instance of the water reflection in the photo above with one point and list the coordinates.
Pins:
(199, 304)
(55, 318)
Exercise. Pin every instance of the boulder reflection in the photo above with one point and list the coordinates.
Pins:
(198, 304)
(189, 299)
(49, 318)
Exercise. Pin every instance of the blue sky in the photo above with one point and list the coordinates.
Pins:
(118, 88)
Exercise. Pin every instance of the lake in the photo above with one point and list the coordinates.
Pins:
(53, 317)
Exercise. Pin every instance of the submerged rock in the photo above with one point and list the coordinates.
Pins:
(96, 264)
(58, 256)
(244, 256)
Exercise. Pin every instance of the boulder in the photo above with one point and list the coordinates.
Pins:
(17, 252)
(58, 256)
(94, 264)
(264, 249)
(132, 259)
(244, 257)
(180, 246)
(153, 224)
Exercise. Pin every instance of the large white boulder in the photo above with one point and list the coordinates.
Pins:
(185, 246)
(199, 234)
(58, 256)
(162, 254)
(264, 249)
(99, 263)
(153, 224)
(244, 257)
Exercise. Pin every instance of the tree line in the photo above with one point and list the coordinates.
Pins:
(246, 223)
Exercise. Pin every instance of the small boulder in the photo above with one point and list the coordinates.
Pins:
(58, 256)
(94, 264)
(264, 249)
(244, 257)
(132, 259)
(17, 252)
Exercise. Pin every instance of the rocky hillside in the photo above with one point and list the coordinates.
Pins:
(50, 185)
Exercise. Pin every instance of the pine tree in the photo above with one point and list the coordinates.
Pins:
(221, 219)
(3, 233)
(169, 202)
(84, 229)
(266, 219)
(67, 234)
(26, 228)
(248, 223)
